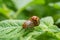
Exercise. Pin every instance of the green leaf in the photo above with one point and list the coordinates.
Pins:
(47, 24)
(11, 28)
(47, 21)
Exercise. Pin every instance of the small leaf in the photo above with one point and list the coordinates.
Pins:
(47, 20)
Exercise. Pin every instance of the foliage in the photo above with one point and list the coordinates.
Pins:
(12, 30)
(15, 9)
(13, 14)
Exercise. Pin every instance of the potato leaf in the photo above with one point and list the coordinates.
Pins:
(10, 28)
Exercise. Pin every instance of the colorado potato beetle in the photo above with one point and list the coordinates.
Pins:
(31, 22)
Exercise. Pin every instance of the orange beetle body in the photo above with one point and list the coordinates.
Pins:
(33, 21)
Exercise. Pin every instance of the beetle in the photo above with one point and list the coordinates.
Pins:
(31, 22)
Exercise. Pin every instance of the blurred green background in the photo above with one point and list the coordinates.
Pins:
(23, 9)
